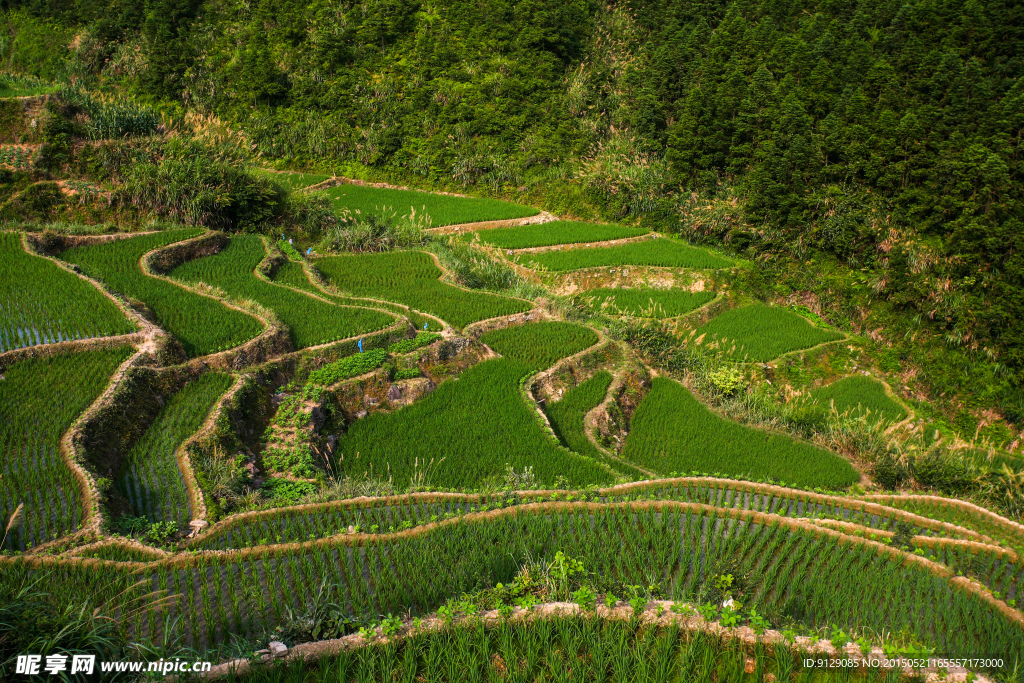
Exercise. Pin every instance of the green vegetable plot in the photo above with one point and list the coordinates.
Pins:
(442, 209)
(662, 252)
(646, 303)
(40, 303)
(202, 325)
(40, 398)
(411, 278)
(470, 428)
(292, 181)
(151, 480)
(352, 366)
(856, 396)
(310, 320)
(759, 333)
(556, 232)
(671, 431)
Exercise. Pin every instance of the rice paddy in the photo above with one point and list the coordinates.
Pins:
(310, 320)
(760, 333)
(151, 480)
(662, 252)
(411, 278)
(672, 431)
(858, 397)
(40, 303)
(203, 325)
(645, 303)
(555, 232)
(441, 209)
(40, 398)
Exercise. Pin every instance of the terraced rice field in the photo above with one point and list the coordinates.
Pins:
(810, 573)
(411, 278)
(40, 398)
(203, 325)
(760, 333)
(445, 427)
(662, 252)
(311, 321)
(292, 274)
(672, 431)
(540, 345)
(40, 303)
(856, 397)
(151, 480)
(646, 303)
(567, 414)
(556, 232)
(442, 209)
(446, 437)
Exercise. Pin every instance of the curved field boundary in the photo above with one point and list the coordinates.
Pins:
(526, 391)
(953, 508)
(702, 486)
(252, 352)
(183, 561)
(855, 529)
(981, 605)
(129, 544)
(448, 278)
(656, 613)
(591, 420)
(264, 266)
(70, 448)
(149, 340)
(1010, 614)
(146, 330)
(580, 245)
(458, 228)
(317, 281)
(196, 499)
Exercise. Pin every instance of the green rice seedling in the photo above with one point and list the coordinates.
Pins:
(760, 333)
(671, 431)
(310, 320)
(441, 209)
(858, 396)
(556, 232)
(663, 252)
(411, 278)
(202, 325)
(150, 479)
(540, 345)
(466, 449)
(646, 303)
(40, 303)
(40, 398)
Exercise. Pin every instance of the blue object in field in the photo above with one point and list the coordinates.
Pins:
(282, 237)
(424, 326)
(309, 251)
(360, 345)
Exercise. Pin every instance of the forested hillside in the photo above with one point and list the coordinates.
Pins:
(866, 153)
